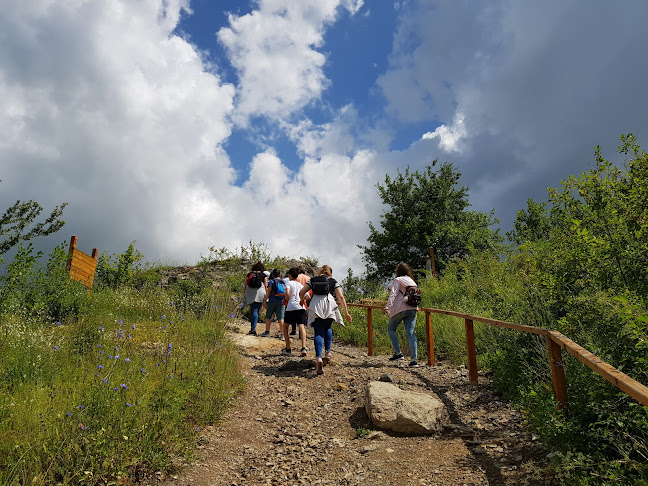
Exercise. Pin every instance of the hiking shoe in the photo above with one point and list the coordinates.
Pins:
(319, 366)
(265, 334)
(286, 351)
(293, 332)
(252, 332)
(413, 364)
(396, 357)
(303, 351)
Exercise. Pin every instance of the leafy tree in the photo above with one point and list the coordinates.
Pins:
(16, 223)
(533, 224)
(426, 210)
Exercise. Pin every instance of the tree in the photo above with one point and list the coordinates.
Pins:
(426, 210)
(533, 224)
(16, 221)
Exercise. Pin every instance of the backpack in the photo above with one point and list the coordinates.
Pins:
(320, 285)
(278, 289)
(412, 295)
(256, 280)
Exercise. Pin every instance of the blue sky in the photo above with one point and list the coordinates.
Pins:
(190, 124)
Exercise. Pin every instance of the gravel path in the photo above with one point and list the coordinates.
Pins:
(293, 427)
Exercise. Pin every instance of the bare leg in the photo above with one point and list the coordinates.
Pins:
(302, 335)
(286, 331)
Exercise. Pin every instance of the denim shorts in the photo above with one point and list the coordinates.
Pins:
(275, 308)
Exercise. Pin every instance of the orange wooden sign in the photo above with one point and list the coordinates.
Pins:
(82, 267)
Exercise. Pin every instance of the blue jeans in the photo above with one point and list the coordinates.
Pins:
(254, 314)
(409, 320)
(323, 335)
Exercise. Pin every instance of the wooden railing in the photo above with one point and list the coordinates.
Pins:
(82, 267)
(556, 342)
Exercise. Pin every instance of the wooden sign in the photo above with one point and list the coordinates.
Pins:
(81, 266)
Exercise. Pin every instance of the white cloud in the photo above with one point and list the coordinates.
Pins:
(449, 136)
(274, 50)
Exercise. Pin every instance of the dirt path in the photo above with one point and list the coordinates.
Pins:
(292, 426)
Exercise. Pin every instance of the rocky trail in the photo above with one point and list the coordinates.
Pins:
(293, 427)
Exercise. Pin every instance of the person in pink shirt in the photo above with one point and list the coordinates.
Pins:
(399, 311)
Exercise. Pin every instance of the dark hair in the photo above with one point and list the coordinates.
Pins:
(275, 273)
(404, 269)
(326, 270)
(293, 272)
(258, 267)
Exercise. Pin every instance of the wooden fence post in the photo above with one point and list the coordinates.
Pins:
(558, 374)
(370, 331)
(472, 352)
(430, 338)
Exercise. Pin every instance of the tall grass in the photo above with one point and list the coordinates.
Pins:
(112, 392)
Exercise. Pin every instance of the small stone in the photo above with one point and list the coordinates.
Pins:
(385, 377)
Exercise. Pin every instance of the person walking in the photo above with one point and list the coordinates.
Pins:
(254, 292)
(274, 303)
(295, 312)
(323, 310)
(302, 278)
(399, 311)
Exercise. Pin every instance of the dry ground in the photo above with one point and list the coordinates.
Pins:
(291, 426)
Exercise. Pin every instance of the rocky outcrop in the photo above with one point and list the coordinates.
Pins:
(406, 412)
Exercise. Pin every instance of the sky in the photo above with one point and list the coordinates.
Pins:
(189, 124)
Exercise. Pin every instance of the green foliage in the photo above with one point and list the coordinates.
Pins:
(111, 394)
(118, 269)
(362, 287)
(16, 221)
(425, 210)
(40, 294)
(580, 268)
(254, 252)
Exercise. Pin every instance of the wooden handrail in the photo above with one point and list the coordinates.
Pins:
(556, 342)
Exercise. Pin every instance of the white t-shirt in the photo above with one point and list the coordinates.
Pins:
(295, 288)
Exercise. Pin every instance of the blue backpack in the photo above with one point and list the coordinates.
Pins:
(278, 289)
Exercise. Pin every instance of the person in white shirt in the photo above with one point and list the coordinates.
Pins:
(295, 311)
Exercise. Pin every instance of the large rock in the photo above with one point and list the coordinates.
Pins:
(402, 411)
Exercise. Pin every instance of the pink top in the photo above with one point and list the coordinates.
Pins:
(395, 302)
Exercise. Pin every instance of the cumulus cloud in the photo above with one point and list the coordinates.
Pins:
(274, 51)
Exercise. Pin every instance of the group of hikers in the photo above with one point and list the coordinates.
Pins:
(297, 300)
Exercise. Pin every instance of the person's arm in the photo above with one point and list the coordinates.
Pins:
(267, 295)
(342, 300)
(302, 293)
(392, 295)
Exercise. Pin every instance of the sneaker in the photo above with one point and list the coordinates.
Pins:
(286, 351)
(396, 357)
(252, 332)
(327, 358)
(265, 334)
(303, 351)
(293, 333)
(413, 364)
(319, 366)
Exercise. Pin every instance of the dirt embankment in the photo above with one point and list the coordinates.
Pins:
(291, 426)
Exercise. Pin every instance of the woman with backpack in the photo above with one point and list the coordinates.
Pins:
(254, 292)
(323, 310)
(400, 311)
(274, 303)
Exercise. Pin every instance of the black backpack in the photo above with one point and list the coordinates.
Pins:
(412, 296)
(256, 280)
(320, 285)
